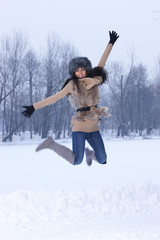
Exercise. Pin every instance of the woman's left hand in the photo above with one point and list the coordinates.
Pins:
(113, 37)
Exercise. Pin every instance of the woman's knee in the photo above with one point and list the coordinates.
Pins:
(78, 160)
(102, 158)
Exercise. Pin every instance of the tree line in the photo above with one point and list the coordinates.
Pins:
(27, 77)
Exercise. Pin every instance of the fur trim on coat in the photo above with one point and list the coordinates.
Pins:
(83, 97)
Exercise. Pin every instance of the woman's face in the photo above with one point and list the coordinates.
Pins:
(80, 72)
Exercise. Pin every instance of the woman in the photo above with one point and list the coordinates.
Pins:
(82, 89)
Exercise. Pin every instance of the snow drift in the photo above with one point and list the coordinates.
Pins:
(23, 211)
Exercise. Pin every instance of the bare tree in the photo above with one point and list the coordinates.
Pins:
(119, 84)
(11, 72)
(156, 92)
(32, 69)
(10, 53)
(65, 111)
(50, 76)
(136, 100)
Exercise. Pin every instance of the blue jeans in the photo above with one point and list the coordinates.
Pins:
(96, 142)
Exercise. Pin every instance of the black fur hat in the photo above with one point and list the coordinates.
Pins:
(77, 62)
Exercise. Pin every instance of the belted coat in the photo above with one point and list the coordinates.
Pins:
(87, 94)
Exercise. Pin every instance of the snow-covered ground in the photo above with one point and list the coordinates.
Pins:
(43, 197)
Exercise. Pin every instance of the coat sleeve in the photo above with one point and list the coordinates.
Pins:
(54, 98)
(91, 82)
(105, 55)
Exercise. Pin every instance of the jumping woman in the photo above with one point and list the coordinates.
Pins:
(82, 90)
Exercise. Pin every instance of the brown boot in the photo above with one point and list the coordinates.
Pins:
(61, 150)
(90, 155)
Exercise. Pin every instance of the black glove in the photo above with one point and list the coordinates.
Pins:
(29, 110)
(113, 37)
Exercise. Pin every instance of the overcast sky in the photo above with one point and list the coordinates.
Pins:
(86, 24)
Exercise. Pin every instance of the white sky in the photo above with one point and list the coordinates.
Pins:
(86, 24)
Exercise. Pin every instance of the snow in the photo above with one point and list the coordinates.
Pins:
(43, 197)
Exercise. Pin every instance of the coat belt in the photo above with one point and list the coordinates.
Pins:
(88, 108)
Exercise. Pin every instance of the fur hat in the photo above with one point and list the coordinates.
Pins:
(77, 62)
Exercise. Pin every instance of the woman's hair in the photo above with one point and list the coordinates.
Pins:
(100, 72)
(84, 62)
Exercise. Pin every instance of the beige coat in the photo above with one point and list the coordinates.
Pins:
(87, 96)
